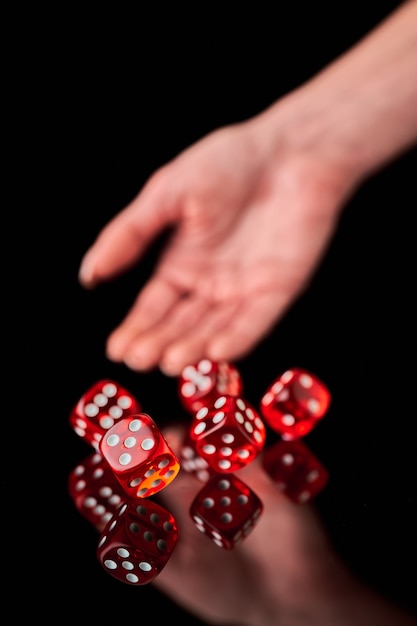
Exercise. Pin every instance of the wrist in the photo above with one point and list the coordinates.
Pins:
(358, 113)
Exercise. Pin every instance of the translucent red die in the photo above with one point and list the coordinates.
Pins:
(95, 490)
(139, 455)
(201, 383)
(294, 403)
(229, 434)
(100, 407)
(295, 470)
(138, 542)
(226, 510)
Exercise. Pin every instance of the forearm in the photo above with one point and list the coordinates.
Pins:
(344, 601)
(361, 111)
(363, 609)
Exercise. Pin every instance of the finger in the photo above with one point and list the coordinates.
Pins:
(126, 237)
(254, 320)
(192, 345)
(154, 303)
(147, 348)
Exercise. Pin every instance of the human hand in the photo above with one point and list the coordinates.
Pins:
(285, 572)
(252, 207)
(251, 216)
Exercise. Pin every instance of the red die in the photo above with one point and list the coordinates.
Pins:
(139, 455)
(95, 490)
(99, 408)
(226, 510)
(295, 470)
(200, 384)
(229, 434)
(294, 403)
(138, 542)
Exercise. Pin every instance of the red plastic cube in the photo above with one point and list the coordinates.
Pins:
(294, 403)
(139, 456)
(295, 470)
(226, 510)
(100, 408)
(229, 434)
(138, 542)
(201, 383)
(95, 490)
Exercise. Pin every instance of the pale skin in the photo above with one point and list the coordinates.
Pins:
(285, 572)
(253, 207)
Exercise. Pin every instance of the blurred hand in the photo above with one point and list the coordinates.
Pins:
(251, 208)
(284, 573)
(250, 221)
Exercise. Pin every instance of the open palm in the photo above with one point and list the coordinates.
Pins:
(249, 222)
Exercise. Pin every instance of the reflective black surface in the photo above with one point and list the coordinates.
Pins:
(110, 112)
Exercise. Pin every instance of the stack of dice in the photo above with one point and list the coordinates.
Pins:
(131, 461)
(292, 406)
(227, 433)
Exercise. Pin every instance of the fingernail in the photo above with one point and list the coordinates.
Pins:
(114, 352)
(85, 274)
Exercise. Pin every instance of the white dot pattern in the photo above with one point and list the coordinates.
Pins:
(294, 403)
(197, 379)
(226, 510)
(136, 546)
(305, 381)
(139, 456)
(206, 380)
(295, 470)
(237, 425)
(100, 408)
(95, 491)
(192, 463)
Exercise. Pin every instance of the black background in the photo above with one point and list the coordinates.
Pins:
(99, 101)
